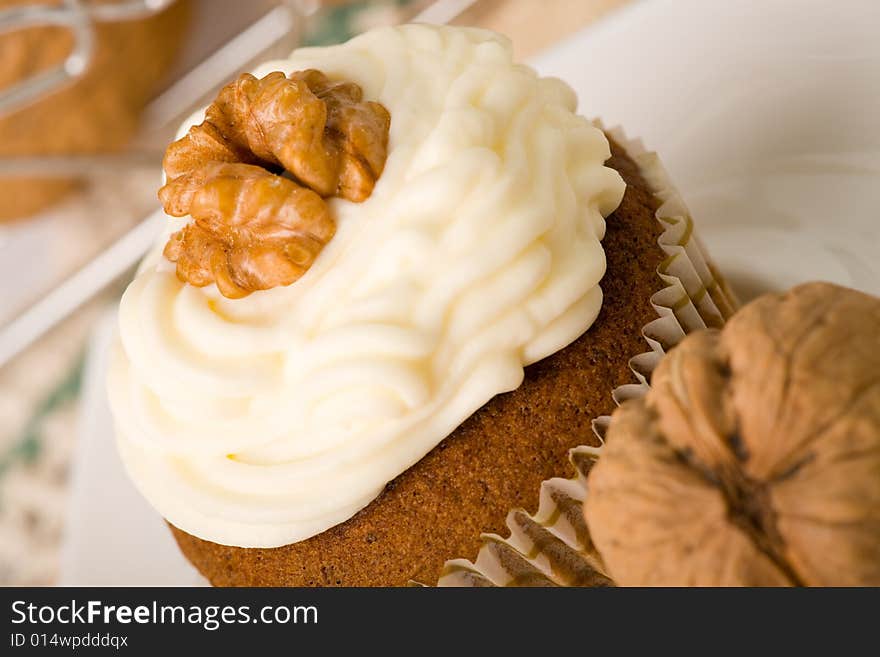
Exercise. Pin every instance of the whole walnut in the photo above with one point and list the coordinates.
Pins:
(754, 459)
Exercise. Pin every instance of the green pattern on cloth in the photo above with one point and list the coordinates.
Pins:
(344, 22)
(26, 448)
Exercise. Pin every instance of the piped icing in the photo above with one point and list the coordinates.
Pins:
(262, 421)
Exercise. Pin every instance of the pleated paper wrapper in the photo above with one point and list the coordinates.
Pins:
(552, 547)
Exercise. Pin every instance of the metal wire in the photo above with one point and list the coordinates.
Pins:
(70, 15)
(128, 249)
(79, 18)
(125, 11)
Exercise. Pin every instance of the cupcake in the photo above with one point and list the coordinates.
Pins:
(400, 277)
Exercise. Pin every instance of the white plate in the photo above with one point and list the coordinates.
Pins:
(112, 537)
(766, 116)
(765, 113)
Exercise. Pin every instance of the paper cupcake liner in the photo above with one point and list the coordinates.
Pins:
(552, 547)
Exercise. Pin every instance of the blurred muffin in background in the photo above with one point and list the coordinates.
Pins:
(97, 113)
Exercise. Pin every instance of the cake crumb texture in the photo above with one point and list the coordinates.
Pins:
(496, 460)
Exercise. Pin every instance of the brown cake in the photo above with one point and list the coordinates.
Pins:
(98, 112)
(389, 308)
(493, 462)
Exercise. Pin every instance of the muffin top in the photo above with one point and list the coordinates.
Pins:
(264, 420)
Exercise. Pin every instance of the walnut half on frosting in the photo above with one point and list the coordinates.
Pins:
(253, 228)
(755, 457)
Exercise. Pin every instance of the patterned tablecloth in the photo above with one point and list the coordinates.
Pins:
(39, 389)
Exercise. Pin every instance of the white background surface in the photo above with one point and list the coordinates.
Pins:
(766, 115)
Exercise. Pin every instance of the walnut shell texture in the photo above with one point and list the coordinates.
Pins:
(754, 459)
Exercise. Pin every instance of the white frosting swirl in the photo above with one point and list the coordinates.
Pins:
(265, 420)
